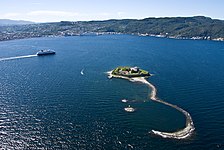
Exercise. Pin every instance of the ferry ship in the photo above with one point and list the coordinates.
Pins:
(45, 52)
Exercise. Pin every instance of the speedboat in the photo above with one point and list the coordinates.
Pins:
(129, 109)
(45, 52)
(124, 100)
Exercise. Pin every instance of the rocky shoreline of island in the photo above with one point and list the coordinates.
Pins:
(181, 134)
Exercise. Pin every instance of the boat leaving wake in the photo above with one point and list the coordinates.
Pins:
(17, 57)
(181, 134)
(82, 72)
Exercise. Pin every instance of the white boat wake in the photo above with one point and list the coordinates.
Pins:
(17, 57)
(82, 72)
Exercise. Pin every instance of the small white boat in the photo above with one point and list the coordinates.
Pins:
(129, 109)
(130, 145)
(45, 52)
(82, 73)
(124, 100)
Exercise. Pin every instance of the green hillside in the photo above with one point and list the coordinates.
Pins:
(198, 27)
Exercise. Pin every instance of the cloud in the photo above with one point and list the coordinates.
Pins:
(103, 14)
(56, 15)
(120, 13)
(52, 13)
(10, 15)
(36, 3)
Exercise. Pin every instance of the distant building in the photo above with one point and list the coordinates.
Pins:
(134, 69)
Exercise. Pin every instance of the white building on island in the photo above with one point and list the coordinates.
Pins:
(135, 69)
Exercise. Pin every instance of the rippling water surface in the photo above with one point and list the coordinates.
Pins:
(46, 103)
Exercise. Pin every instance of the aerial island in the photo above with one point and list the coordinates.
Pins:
(135, 74)
(128, 72)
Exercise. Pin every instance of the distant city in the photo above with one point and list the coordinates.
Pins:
(198, 27)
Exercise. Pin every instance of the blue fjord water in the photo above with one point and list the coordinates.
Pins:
(46, 103)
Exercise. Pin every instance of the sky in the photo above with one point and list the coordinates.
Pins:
(85, 10)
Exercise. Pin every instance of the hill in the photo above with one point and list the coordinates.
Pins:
(177, 27)
(4, 22)
(198, 27)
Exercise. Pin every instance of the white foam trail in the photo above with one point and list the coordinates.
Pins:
(17, 57)
(181, 134)
(130, 146)
(82, 72)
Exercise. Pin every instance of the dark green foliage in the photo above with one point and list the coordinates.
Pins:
(177, 27)
(127, 72)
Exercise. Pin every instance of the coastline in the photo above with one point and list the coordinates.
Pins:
(181, 134)
(220, 39)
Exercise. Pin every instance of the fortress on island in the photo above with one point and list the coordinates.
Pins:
(129, 72)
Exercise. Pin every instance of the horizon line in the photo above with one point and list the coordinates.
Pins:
(116, 19)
